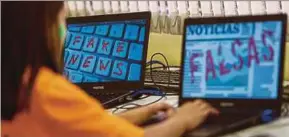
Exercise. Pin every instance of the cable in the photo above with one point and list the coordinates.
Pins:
(121, 96)
(153, 92)
(156, 62)
(138, 105)
(144, 96)
(164, 68)
(151, 59)
(169, 76)
(163, 94)
(150, 63)
(168, 68)
(172, 94)
(122, 107)
(135, 105)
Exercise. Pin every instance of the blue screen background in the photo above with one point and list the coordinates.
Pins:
(214, 54)
(104, 52)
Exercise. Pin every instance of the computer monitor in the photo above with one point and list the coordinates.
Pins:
(233, 58)
(107, 52)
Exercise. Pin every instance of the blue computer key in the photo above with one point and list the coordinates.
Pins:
(104, 46)
(142, 34)
(120, 49)
(74, 28)
(73, 60)
(103, 66)
(75, 77)
(131, 32)
(119, 69)
(67, 39)
(116, 30)
(88, 29)
(135, 51)
(101, 30)
(134, 72)
(91, 79)
(76, 41)
(66, 53)
(88, 63)
(90, 44)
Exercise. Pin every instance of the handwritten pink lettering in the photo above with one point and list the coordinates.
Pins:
(224, 69)
(210, 65)
(193, 67)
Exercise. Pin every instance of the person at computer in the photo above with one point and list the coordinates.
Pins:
(38, 102)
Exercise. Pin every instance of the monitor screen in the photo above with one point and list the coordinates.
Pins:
(232, 60)
(105, 51)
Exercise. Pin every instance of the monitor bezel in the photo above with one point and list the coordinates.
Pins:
(252, 103)
(116, 86)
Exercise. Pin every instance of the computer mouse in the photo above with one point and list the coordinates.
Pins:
(159, 117)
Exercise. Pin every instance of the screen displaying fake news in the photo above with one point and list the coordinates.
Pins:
(232, 60)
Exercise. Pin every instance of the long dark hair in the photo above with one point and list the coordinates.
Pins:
(29, 38)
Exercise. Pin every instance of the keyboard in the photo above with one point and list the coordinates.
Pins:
(215, 130)
(225, 123)
(111, 51)
(161, 78)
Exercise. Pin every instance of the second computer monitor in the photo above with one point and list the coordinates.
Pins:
(106, 49)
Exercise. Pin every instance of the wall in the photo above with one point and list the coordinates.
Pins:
(168, 16)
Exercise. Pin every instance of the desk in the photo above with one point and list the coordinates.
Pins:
(172, 100)
(281, 131)
(279, 128)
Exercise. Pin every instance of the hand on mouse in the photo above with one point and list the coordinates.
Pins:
(142, 114)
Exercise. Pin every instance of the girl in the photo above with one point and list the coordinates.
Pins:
(38, 102)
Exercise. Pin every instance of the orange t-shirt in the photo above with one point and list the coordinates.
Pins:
(61, 109)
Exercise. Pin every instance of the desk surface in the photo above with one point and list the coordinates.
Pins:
(279, 128)
(172, 100)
